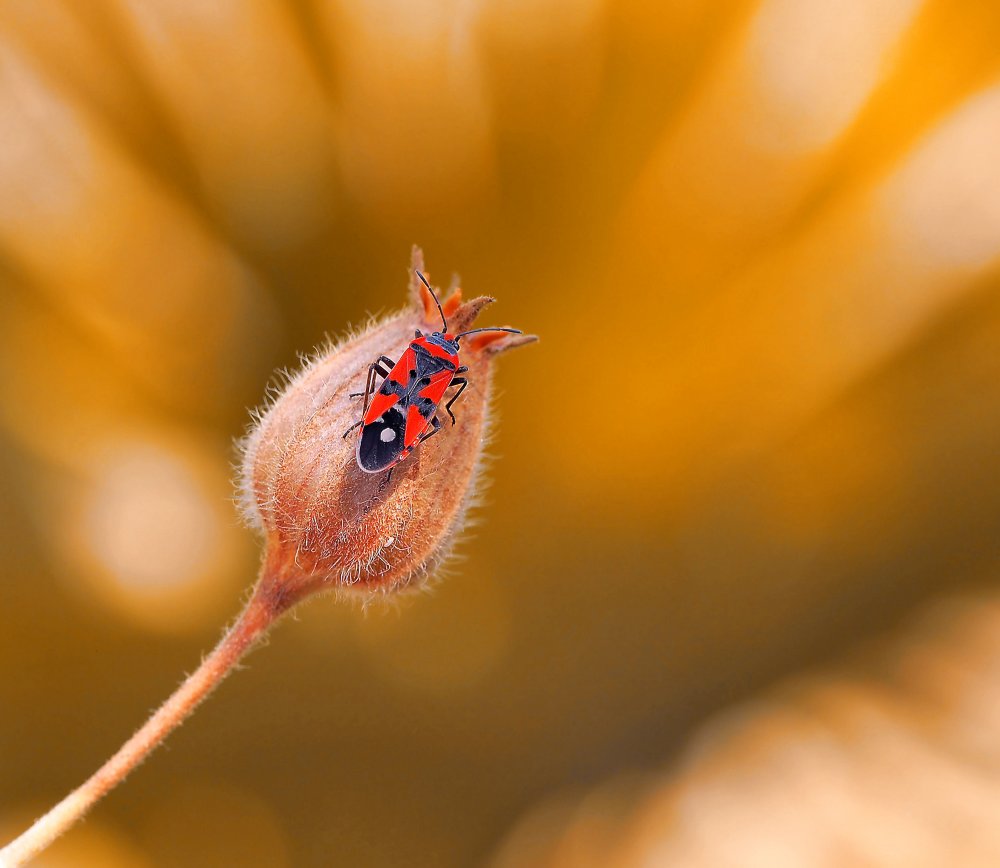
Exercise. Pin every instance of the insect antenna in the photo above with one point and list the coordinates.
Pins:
(423, 280)
(476, 331)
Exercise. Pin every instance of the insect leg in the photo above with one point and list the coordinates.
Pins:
(378, 368)
(373, 369)
(349, 430)
(369, 385)
(461, 382)
(435, 427)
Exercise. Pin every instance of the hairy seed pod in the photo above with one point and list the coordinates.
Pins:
(327, 524)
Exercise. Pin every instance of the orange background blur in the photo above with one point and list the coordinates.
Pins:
(760, 242)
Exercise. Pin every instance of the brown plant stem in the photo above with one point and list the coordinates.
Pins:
(263, 609)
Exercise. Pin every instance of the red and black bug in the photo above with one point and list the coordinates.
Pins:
(402, 413)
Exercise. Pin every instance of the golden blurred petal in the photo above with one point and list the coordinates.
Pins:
(57, 387)
(546, 62)
(791, 334)
(416, 137)
(105, 244)
(57, 36)
(839, 770)
(757, 136)
(942, 207)
(813, 65)
(238, 84)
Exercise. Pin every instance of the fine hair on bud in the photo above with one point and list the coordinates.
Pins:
(327, 525)
(350, 493)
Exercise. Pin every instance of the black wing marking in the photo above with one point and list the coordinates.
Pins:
(381, 441)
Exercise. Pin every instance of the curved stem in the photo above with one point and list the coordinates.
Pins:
(251, 625)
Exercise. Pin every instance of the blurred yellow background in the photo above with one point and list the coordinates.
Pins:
(761, 244)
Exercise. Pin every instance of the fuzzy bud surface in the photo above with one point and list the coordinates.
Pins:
(328, 525)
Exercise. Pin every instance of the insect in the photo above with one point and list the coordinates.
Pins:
(402, 413)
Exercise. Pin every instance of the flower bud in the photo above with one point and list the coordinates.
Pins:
(327, 524)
